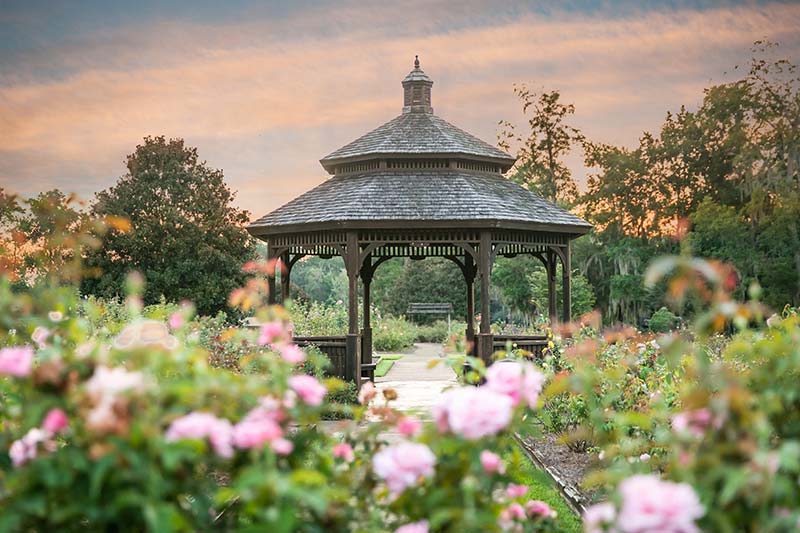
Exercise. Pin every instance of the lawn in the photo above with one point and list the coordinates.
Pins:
(386, 363)
(540, 487)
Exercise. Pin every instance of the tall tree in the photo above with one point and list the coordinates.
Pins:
(540, 152)
(186, 237)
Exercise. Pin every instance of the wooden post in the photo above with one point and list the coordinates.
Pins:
(551, 286)
(366, 330)
(485, 338)
(566, 281)
(271, 278)
(353, 359)
(285, 273)
(469, 278)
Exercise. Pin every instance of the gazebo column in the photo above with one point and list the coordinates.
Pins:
(352, 365)
(271, 293)
(366, 329)
(485, 337)
(566, 280)
(551, 286)
(469, 278)
(286, 269)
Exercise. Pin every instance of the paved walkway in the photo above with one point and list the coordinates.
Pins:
(418, 386)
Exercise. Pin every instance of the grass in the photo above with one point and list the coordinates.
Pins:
(387, 361)
(540, 487)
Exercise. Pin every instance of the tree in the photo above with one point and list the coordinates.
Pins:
(540, 158)
(185, 237)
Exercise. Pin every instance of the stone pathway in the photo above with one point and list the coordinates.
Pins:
(418, 387)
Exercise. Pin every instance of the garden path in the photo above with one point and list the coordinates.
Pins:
(418, 386)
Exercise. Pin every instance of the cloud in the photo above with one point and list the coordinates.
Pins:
(265, 99)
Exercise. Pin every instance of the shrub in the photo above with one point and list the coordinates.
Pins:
(391, 334)
(663, 321)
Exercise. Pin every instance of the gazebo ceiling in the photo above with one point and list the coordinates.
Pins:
(418, 170)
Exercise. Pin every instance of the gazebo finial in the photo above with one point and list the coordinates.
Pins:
(416, 61)
(417, 90)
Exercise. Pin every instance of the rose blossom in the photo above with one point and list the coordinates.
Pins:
(408, 426)
(55, 316)
(308, 389)
(198, 425)
(40, 335)
(271, 332)
(516, 380)
(344, 451)
(596, 517)
(26, 448)
(473, 412)
(112, 381)
(508, 515)
(515, 491)
(292, 354)
(402, 465)
(694, 423)
(650, 504)
(536, 508)
(16, 361)
(55, 421)
(282, 446)
(176, 320)
(492, 463)
(254, 432)
(367, 393)
(415, 527)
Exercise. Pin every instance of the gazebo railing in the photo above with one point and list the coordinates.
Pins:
(534, 344)
(333, 346)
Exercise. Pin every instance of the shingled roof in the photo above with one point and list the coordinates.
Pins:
(422, 196)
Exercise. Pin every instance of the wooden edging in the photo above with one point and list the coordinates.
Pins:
(570, 494)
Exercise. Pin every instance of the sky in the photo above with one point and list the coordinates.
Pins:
(266, 89)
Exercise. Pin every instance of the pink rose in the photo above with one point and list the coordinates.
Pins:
(55, 421)
(650, 504)
(416, 527)
(403, 464)
(598, 517)
(282, 446)
(367, 393)
(515, 491)
(408, 426)
(176, 320)
(308, 389)
(197, 425)
(492, 463)
(536, 508)
(271, 332)
(518, 381)
(292, 354)
(27, 448)
(694, 423)
(16, 361)
(40, 335)
(474, 412)
(343, 451)
(255, 432)
(514, 512)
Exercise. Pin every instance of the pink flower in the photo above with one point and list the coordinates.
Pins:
(112, 381)
(492, 463)
(367, 393)
(271, 332)
(514, 512)
(515, 491)
(408, 426)
(16, 361)
(55, 421)
(197, 425)
(26, 449)
(344, 451)
(518, 381)
(415, 527)
(40, 335)
(650, 504)
(176, 320)
(694, 423)
(536, 508)
(308, 389)
(282, 446)
(402, 465)
(598, 517)
(473, 412)
(55, 316)
(255, 432)
(292, 354)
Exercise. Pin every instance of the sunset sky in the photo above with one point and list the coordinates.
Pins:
(264, 90)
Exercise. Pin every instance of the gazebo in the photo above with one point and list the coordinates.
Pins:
(419, 187)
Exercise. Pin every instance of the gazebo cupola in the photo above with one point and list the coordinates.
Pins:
(417, 187)
(417, 91)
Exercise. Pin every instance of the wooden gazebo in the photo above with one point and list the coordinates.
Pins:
(419, 187)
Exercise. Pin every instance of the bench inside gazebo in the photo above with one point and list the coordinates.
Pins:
(419, 187)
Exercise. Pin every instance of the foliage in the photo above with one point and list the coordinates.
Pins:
(663, 321)
(183, 234)
(390, 334)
